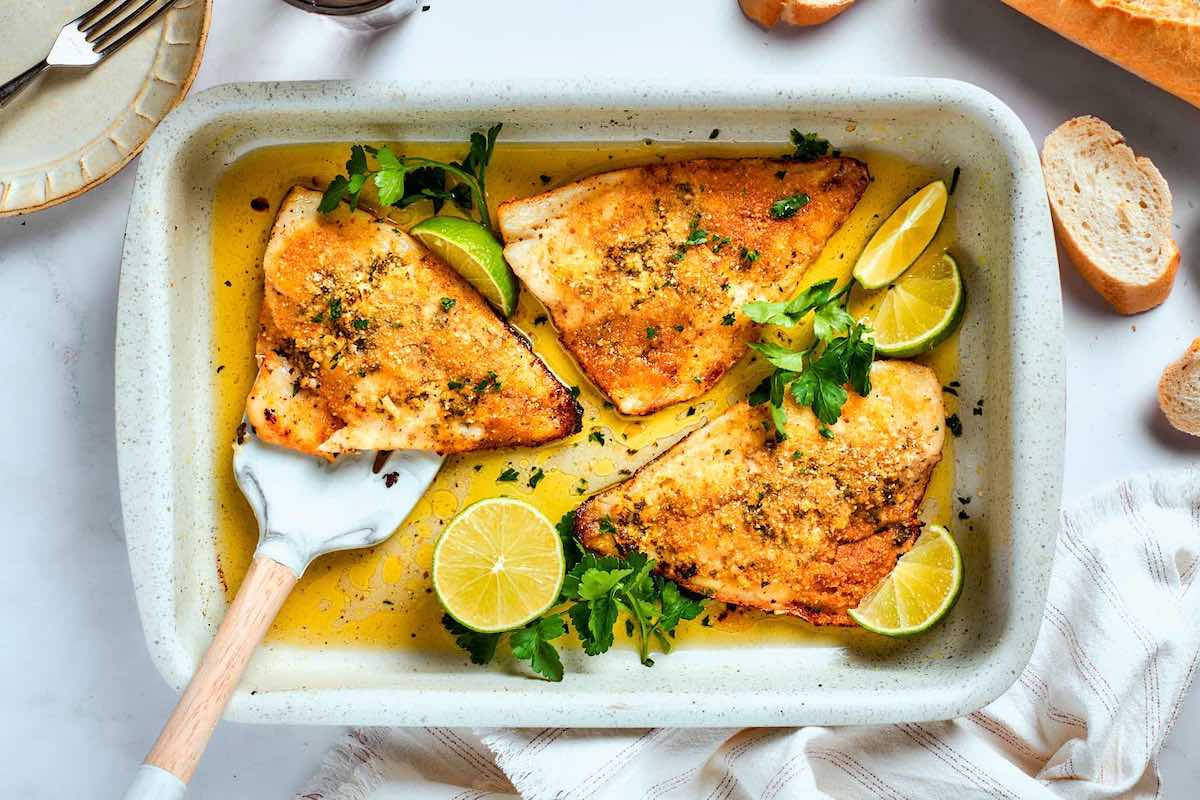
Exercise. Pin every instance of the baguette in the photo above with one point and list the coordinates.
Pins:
(1158, 40)
(1179, 391)
(1112, 213)
(794, 12)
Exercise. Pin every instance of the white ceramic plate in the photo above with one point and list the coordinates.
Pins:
(1010, 459)
(99, 118)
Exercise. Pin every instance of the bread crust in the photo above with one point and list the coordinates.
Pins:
(794, 12)
(1125, 298)
(1162, 50)
(1180, 412)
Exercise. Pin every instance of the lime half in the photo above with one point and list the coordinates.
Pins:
(902, 237)
(921, 589)
(472, 250)
(498, 565)
(915, 313)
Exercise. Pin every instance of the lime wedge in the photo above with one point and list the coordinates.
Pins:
(921, 589)
(498, 565)
(472, 250)
(902, 237)
(915, 313)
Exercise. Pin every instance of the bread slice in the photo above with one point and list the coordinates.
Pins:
(1112, 212)
(794, 12)
(1158, 40)
(1179, 391)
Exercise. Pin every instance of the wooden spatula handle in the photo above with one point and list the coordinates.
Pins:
(190, 726)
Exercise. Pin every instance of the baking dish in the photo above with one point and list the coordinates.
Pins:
(1010, 353)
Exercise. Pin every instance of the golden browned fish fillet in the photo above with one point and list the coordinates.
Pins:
(367, 341)
(806, 526)
(651, 320)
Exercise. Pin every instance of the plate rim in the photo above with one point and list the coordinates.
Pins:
(184, 87)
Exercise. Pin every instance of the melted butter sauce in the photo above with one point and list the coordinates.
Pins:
(381, 597)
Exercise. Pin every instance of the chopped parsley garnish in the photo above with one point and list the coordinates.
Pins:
(749, 256)
(319, 317)
(717, 242)
(486, 383)
(815, 376)
(954, 179)
(360, 324)
(456, 384)
(786, 207)
(606, 525)
(728, 319)
(574, 390)
(808, 146)
(404, 180)
(448, 303)
(651, 332)
(335, 309)
(536, 478)
(678, 328)
(954, 424)
(596, 436)
(508, 475)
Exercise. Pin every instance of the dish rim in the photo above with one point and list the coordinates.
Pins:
(152, 564)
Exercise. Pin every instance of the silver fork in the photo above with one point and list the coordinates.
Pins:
(90, 38)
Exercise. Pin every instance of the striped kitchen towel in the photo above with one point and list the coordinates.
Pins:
(1118, 647)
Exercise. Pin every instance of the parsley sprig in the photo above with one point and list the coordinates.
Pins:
(404, 180)
(597, 591)
(816, 376)
(808, 146)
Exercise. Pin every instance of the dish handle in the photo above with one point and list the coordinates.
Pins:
(173, 758)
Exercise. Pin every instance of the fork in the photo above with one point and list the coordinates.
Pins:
(90, 38)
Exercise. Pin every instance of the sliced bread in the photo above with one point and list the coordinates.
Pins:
(1179, 391)
(1112, 212)
(794, 12)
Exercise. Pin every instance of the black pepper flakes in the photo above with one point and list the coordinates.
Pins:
(954, 424)
(260, 204)
(390, 479)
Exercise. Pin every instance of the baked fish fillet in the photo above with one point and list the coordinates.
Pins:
(650, 319)
(805, 526)
(367, 341)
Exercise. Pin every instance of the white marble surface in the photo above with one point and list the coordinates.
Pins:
(79, 699)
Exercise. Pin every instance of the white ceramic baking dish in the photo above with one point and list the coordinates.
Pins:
(1010, 355)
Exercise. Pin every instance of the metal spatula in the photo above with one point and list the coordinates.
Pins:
(305, 508)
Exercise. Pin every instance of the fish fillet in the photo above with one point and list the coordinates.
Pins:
(367, 341)
(654, 321)
(803, 526)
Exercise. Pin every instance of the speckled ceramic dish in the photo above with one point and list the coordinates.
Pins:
(100, 117)
(1009, 461)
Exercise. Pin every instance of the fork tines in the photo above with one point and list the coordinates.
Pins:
(106, 27)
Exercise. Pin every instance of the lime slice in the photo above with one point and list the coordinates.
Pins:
(915, 313)
(902, 237)
(472, 250)
(920, 590)
(498, 565)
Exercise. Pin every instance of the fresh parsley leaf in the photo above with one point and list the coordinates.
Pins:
(606, 525)
(532, 644)
(786, 207)
(820, 386)
(596, 436)
(780, 356)
(335, 192)
(651, 332)
(360, 324)
(566, 532)
(390, 185)
(831, 319)
(508, 475)
(455, 384)
(536, 478)
(675, 606)
(749, 256)
(765, 313)
(481, 646)
(357, 165)
(728, 318)
(448, 303)
(597, 583)
(335, 309)
(696, 237)
(808, 146)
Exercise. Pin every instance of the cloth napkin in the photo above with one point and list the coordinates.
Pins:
(1116, 653)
